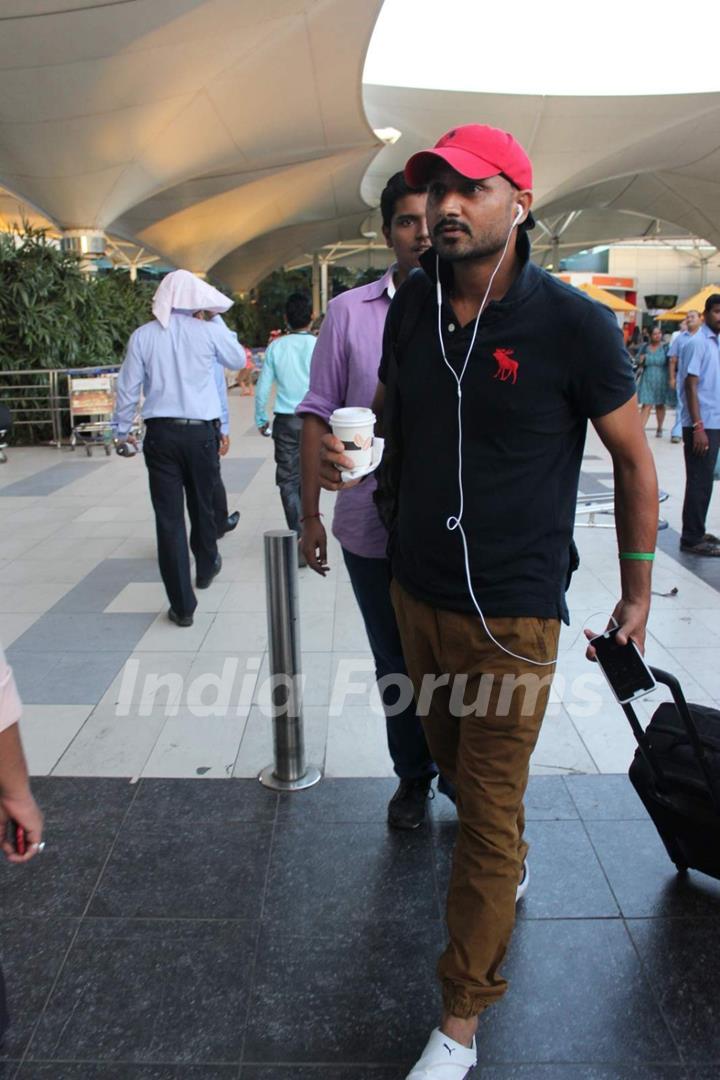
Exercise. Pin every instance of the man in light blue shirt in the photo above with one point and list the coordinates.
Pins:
(287, 363)
(699, 394)
(173, 362)
(174, 368)
(689, 327)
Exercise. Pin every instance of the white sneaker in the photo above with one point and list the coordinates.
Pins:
(444, 1059)
(524, 882)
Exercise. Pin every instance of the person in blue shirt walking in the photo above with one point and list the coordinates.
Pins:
(688, 328)
(287, 363)
(699, 394)
(172, 361)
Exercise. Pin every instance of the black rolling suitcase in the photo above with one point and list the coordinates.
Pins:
(676, 773)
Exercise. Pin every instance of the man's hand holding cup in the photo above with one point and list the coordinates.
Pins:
(333, 460)
(348, 447)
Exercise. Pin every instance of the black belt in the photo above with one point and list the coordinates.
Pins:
(178, 420)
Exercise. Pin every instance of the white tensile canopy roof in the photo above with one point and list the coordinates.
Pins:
(230, 136)
(195, 127)
(633, 166)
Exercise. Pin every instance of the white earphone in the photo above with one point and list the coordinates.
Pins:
(455, 521)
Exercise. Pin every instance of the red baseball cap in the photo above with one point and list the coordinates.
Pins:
(477, 152)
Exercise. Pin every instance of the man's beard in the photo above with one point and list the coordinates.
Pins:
(482, 248)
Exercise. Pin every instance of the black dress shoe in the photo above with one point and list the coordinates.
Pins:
(231, 523)
(180, 620)
(406, 809)
(205, 583)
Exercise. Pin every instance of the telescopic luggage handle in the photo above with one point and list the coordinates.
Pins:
(666, 679)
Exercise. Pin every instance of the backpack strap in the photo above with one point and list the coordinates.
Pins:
(414, 294)
(416, 290)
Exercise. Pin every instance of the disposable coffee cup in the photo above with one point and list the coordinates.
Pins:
(354, 427)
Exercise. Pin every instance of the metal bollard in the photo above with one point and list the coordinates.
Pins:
(289, 772)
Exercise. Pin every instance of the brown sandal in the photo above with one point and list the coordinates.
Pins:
(703, 548)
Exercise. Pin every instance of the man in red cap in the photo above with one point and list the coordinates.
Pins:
(491, 369)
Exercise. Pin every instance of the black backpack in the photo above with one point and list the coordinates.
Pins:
(5, 418)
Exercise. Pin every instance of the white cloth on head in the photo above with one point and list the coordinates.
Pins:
(183, 291)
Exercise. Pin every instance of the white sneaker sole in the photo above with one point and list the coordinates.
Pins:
(523, 886)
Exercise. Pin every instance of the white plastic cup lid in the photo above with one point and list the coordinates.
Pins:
(352, 416)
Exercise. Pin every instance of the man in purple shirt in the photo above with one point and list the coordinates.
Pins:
(344, 372)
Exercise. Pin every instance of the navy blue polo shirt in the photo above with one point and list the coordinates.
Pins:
(546, 359)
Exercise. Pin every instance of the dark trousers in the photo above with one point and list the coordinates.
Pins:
(182, 463)
(220, 506)
(370, 579)
(699, 469)
(286, 431)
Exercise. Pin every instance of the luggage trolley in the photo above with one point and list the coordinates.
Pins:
(92, 403)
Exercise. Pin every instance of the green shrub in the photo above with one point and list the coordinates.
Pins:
(53, 315)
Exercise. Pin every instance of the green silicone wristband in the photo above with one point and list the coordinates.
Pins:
(639, 556)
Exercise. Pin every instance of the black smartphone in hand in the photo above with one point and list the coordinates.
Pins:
(623, 667)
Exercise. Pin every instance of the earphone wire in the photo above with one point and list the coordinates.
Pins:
(455, 521)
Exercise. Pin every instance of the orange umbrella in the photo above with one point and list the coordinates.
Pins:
(615, 303)
(693, 303)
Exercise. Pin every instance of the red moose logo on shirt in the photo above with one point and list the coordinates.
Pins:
(507, 368)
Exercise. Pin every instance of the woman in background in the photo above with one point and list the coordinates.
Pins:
(653, 387)
(244, 375)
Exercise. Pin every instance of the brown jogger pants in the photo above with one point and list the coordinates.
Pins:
(486, 755)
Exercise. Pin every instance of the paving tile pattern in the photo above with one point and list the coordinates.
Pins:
(179, 929)
(82, 608)
(48, 481)
(190, 930)
(237, 473)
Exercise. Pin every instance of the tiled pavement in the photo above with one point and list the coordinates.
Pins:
(180, 930)
(194, 931)
(83, 618)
